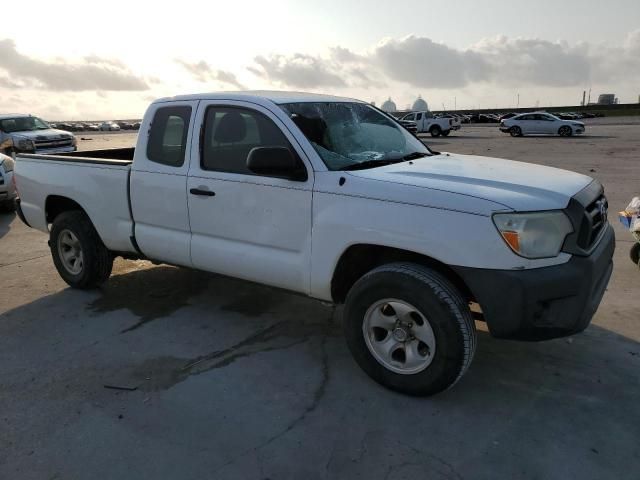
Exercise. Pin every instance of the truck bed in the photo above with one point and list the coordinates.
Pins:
(97, 180)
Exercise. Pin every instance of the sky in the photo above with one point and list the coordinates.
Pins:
(73, 60)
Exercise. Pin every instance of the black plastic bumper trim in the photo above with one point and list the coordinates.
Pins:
(543, 303)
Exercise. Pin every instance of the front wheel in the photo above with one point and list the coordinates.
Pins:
(409, 329)
(565, 131)
(80, 257)
(435, 131)
(515, 131)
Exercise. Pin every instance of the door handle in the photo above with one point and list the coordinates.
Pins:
(204, 193)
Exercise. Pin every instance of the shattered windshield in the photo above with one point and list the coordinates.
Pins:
(349, 135)
(22, 124)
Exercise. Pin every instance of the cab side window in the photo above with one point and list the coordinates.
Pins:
(168, 136)
(230, 133)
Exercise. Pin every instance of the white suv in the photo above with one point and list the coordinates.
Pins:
(541, 123)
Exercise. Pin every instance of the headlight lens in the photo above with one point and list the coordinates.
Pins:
(536, 234)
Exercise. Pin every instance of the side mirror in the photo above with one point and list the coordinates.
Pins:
(276, 162)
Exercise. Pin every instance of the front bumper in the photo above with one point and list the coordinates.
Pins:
(543, 303)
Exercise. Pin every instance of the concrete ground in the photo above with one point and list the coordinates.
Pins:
(224, 379)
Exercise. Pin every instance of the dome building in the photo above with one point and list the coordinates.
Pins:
(389, 106)
(420, 105)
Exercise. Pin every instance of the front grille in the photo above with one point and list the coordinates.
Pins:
(57, 143)
(593, 221)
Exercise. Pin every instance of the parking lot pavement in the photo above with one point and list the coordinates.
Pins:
(218, 378)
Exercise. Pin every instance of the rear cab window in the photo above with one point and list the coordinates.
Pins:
(168, 136)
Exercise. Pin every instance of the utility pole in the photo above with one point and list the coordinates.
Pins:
(455, 103)
(518, 105)
(589, 100)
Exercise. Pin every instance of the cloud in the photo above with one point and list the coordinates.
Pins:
(535, 62)
(300, 71)
(423, 63)
(203, 72)
(94, 73)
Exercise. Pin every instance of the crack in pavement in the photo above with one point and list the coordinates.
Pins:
(318, 395)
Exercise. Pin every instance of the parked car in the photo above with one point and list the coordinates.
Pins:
(505, 116)
(92, 127)
(7, 187)
(540, 123)
(426, 122)
(243, 184)
(135, 126)
(109, 127)
(29, 134)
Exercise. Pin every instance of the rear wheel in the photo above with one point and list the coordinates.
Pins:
(565, 131)
(515, 131)
(435, 131)
(80, 257)
(409, 329)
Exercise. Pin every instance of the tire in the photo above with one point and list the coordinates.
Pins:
(94, 261)
(515, 131)
(634, 254)
(565, 131)
(430, 301)
(435, 131)
(446, 133)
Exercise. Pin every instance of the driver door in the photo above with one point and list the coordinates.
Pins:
(245, 225)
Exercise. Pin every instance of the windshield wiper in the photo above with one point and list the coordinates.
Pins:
(414, 155)
(371, 164)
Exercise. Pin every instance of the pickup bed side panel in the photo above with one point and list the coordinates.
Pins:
(101, 190)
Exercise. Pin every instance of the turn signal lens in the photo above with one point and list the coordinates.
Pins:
(513, 239)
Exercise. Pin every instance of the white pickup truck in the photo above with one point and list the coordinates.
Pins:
(436, 126)
(332, 198)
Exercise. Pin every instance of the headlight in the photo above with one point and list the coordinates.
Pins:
(25, 144)
(536, 234)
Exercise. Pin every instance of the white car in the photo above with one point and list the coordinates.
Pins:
(331, 198)
(7, 186)
(540, 123)
(109, 127)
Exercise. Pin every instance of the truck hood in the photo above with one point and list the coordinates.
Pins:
(515, 185)
(48, 134)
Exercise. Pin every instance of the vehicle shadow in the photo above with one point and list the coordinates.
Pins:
(5, 222)
(199, 346)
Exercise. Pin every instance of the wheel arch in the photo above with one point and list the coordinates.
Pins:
(361, 258)
(54, 205)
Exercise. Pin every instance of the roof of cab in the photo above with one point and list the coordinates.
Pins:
(274, 96)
